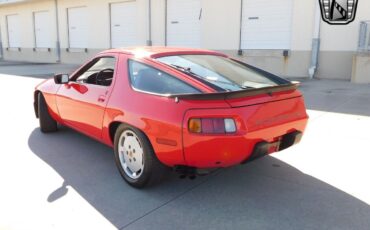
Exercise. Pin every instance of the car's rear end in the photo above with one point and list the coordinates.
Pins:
(250, 128)
(263, 113)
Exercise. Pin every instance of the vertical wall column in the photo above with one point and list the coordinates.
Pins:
(149, 42)
(58, 51)
(240, 51)
(1, 46)
(315, 42)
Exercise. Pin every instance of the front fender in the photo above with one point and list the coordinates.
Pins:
(49, 89)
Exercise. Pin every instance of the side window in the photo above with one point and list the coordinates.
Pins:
(149, 79)
(98, 72)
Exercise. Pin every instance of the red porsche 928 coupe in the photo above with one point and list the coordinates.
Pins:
(178, 108)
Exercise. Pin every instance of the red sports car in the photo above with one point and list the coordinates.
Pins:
(161, 108)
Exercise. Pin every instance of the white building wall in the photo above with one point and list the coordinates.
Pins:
(27, 41)
(221, 25)
(220, 30)
(339, 45)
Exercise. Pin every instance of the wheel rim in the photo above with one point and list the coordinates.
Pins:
(131, 154)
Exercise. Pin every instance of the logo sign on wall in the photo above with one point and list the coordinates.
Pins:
(338, 12)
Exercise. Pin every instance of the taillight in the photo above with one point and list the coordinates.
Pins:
(195, 125)
(212, 125)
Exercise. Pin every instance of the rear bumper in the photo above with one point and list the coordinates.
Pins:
(226, 151)
(274, 126)
(264, 148)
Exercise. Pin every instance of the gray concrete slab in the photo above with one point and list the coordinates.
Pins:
(36, 70)
(68, 181)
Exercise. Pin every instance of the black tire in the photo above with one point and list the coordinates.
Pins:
(47, 123)
(153, 171)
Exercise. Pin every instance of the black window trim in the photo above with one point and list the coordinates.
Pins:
(89, 64)
(169, 95)
(277, 79)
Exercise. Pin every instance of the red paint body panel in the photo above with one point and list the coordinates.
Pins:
(92, 109)
(207, 151)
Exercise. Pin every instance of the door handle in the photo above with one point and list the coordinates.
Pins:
(101, 98)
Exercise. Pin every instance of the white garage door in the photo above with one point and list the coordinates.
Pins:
(184, 23)
(124, 24)
(42, 29)
(266, 24)
(77, 27)
(13, 31)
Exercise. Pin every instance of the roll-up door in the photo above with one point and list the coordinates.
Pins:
(13, 26)
(124, 24)
(184, 23)
(266, 24)
(42, 29)
(77, 27)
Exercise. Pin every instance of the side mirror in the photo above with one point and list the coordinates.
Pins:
(61, 79)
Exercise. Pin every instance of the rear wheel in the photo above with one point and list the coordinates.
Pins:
(135, 158)
(47, 123)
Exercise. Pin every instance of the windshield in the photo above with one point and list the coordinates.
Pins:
(222, 72)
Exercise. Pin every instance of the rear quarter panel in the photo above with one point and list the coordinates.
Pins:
(160, 118)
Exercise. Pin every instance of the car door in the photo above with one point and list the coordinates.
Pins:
(82, 102)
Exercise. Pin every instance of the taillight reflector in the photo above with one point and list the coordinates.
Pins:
(212, 125)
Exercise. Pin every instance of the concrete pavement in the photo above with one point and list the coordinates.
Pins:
(36, 70)
(68, 181)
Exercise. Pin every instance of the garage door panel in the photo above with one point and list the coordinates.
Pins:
(13, 25)
(42, 29)
(124, 24)
(184, 23)
(78, 27)
(266, 24)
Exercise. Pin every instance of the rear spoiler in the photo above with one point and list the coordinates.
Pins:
(237, 94)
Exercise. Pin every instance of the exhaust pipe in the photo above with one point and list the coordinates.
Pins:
(191, 172)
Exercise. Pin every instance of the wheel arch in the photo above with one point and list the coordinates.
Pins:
(36, 102)
(113, 126)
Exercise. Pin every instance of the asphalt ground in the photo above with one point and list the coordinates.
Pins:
(65, 180)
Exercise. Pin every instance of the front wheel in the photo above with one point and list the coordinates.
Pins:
(135, 158)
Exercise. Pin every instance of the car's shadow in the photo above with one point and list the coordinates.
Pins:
(266, 194)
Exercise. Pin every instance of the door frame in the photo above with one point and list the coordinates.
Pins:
(108, 89)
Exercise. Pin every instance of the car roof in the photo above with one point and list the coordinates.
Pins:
(161, 51)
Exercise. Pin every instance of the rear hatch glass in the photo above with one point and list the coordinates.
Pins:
(222, 73)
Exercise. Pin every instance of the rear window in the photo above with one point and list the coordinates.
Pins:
(222, 72)
(148, 79)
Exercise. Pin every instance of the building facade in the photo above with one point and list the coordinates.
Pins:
(286, 37)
